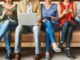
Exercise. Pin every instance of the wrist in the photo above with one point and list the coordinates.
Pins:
(52, 17)
(62, 15)
(39, 21)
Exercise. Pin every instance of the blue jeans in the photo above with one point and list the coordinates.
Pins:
(37, 37)
(50, 29)
(5, 31)
(67, 29)
(77, 20)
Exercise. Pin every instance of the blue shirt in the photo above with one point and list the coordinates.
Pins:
(52, 11)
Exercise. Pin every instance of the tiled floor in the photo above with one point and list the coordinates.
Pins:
(28, 54)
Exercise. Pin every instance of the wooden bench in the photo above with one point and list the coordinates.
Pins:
(28, 40)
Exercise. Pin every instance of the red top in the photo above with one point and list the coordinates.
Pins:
(67, 16)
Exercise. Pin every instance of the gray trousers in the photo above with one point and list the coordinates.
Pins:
(37, 38)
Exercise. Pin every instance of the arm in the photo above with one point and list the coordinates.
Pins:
(61, 15)
(39, 13)
(54, 18)
(59, 11)
(14, 13)
(3, 14)
(18, 8)
(74, 10)
(56, 15)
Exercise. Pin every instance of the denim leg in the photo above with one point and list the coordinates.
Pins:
(47, 41)
(64, 30)
(37, 38)
(69, 36)
(18, 36)
(4, 28)
(50, 31)
(13, 24)
(7, 41)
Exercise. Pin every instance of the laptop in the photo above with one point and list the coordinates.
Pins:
(27, 19)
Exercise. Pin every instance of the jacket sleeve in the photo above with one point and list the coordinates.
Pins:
(18, 7)
(39, 11)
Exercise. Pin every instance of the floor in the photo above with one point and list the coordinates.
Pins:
(28, 54)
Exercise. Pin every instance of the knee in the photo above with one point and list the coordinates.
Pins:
(7, 22)
(36, 28)
(66, 23)
(18, 28)
(48, 22)
(70, 29)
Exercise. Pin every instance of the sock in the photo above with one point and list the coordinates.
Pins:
(54, 45)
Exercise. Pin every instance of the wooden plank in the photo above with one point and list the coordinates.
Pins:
(32, 44)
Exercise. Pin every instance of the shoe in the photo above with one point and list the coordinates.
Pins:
(68, 53)
(61, 45)
(57, 49)
(47, 57)
(17, 56)
(8, 56)
(37, 57)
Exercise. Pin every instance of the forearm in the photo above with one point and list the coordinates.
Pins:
(59, 12)
(61, 16)
(74, 10)
(73, 15)
(54, 18)
(39, 18)
(39, 21)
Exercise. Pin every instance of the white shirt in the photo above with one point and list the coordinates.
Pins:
(29, 8)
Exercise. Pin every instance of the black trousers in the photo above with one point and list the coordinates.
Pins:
(67, 29)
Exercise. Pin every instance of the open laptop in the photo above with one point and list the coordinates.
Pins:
(27, 19)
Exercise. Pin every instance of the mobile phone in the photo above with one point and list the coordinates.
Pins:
(47, 17)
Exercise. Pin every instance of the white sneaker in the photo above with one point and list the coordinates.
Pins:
(47, 57)
(57, 49)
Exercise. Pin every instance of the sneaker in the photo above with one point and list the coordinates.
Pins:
(57, 49)
(47, 57)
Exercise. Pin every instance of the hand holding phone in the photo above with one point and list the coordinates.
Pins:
(48, 18)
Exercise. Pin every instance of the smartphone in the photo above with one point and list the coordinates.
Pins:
(47, 17)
